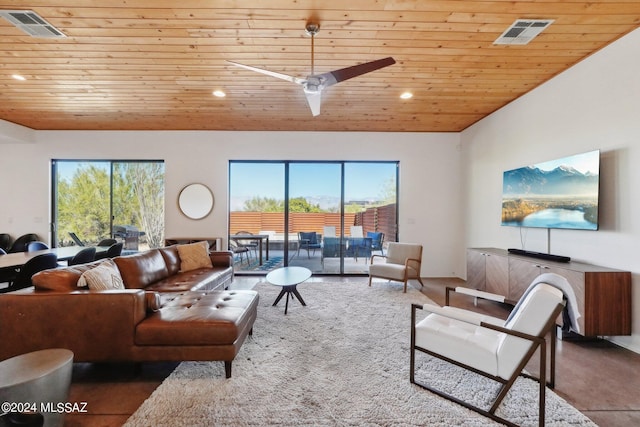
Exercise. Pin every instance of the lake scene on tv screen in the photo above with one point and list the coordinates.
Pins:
(561, 193)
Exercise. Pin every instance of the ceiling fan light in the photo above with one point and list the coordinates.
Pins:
(219, 93)
(406, 95)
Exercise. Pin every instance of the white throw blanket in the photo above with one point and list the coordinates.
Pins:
(561, 283)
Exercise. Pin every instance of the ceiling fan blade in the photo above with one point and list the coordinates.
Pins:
(343, 74)
(269, 73)
(314, 99)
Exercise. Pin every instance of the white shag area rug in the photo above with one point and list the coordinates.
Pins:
(343, 360)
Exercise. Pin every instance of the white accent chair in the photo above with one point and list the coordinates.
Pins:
(495, 348)
(402, 263)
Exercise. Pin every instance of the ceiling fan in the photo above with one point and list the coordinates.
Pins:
(314, 84)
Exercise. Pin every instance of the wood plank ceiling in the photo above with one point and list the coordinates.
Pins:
(153, 64)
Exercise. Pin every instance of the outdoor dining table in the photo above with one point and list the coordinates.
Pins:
(64, 253)
(258, 237)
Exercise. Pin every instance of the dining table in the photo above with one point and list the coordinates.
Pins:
(257, 237)
(64, 253)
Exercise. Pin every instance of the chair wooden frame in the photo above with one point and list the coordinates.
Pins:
(536, 342)
(407, 266)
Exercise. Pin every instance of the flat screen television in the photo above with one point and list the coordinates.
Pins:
(561, 193)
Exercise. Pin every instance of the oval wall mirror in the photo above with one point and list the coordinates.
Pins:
(195, 201)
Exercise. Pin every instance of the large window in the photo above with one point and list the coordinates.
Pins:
(322, 215)
(94, 200)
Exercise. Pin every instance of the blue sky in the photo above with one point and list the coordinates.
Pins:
(584, 162)
(362, 180)
(66, 169)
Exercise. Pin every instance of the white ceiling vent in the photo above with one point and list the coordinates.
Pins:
(523, 31)
(31, 23)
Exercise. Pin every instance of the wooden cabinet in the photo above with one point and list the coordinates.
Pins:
(489, 271)
(603, 294)
(476, 269)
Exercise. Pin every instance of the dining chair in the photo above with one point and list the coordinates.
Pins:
(36, 246)
(113, 251)
(31, 267)
(20, 244)
(107, 242)
(494, 348)
(84, 256)
(5, 241)
(7, 274)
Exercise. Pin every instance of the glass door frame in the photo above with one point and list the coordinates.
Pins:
(286, 195)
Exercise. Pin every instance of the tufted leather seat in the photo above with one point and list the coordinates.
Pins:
(163, 315)
(199, 318)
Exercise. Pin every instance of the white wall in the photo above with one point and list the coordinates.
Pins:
(594, 105)
(429, 199)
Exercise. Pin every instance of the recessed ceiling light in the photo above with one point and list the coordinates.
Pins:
(219, 93)
(18, 77)
(406, 95)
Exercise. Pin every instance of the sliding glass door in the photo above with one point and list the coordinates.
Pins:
(315, 215)
(256, 215)
(95, 200)
(327, 216)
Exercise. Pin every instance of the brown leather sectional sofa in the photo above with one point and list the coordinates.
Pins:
(163, 315)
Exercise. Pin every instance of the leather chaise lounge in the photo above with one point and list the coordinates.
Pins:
(164, 314)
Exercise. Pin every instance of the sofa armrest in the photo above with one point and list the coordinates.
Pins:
(221, 258)
(96, 326)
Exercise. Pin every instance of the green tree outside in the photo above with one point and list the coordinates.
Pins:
(83, 202)
(265, 204)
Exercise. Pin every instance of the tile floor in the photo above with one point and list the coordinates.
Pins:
(597, 377)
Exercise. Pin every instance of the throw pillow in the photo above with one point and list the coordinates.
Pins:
(194, 256)
(105, 276)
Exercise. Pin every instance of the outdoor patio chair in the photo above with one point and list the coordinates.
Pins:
(250, 244)
(402, 263)
(308, 241)
(330, 248)
(494, 348)
(329, 231)
(76, 239)
(356, 231)
(240, 251)
(377, 238)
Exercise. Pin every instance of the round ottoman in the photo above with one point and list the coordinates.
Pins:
(41, 379)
